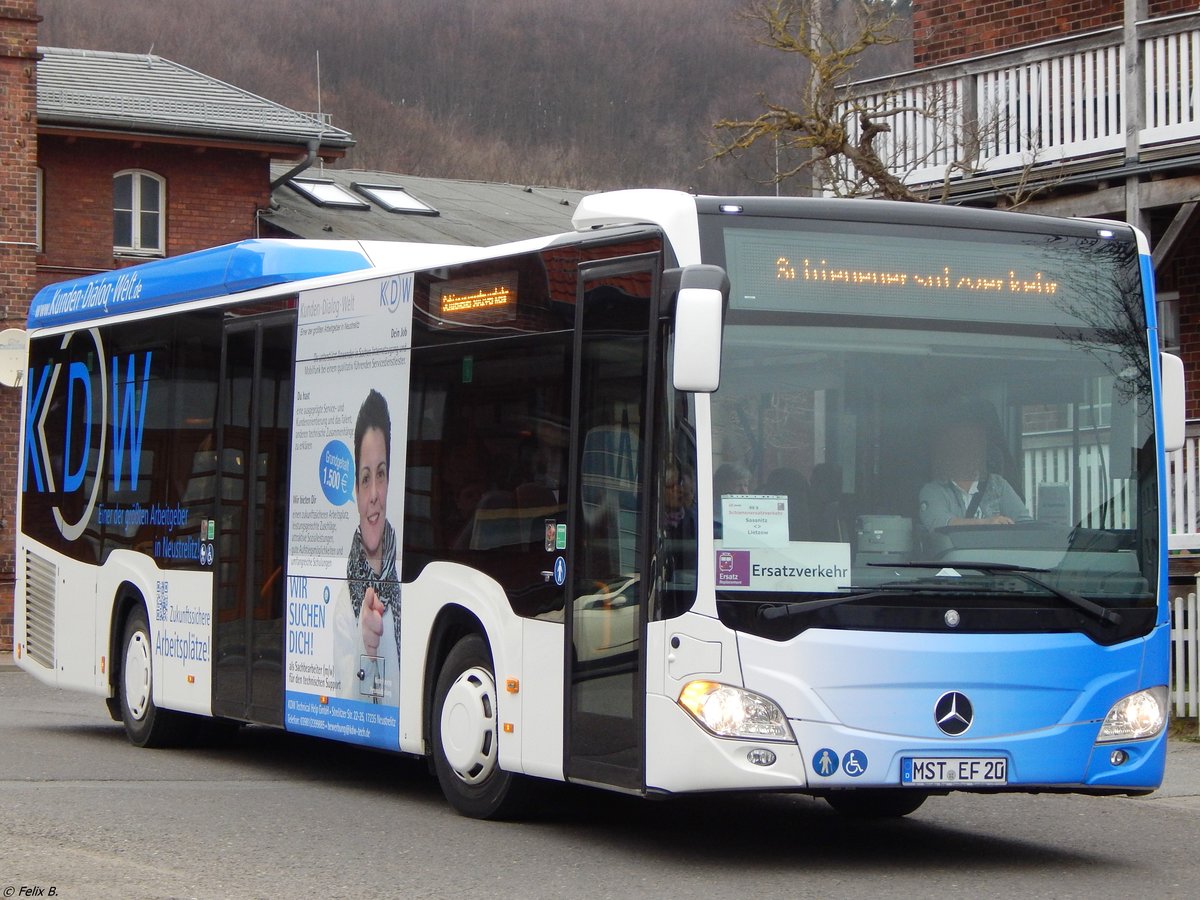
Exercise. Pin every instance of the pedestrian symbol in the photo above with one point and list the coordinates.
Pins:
(854, 763)
(825, 762)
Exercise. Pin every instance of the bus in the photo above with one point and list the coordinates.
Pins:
(855, 499)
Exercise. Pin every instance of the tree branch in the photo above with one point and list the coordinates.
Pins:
(833, 134)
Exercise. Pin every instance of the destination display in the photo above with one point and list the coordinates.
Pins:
(1038, 279)
(476, 300)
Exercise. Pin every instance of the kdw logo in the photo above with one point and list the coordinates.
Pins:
(116, 397)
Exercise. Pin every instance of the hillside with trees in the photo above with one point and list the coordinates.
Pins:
(581, 94)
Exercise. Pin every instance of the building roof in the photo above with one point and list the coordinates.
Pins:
(146, 94)
(467, 212)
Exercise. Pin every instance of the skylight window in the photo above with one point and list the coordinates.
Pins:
(395, 199)
(327, 193)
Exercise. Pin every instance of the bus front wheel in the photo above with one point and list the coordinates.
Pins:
(465, 730)
(145, 724)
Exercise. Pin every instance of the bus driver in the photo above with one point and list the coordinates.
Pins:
(963, 492)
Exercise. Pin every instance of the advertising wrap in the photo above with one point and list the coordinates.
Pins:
(349, 434)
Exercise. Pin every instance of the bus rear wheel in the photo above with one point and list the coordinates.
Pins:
(876, 804)
(465, 730)
(145, 724)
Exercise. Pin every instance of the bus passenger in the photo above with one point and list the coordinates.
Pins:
(730, 479)
(791, 483)
(679, 502)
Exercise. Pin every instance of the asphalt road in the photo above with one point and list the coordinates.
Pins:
(268, 814)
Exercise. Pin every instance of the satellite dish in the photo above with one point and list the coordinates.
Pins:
(14, 346)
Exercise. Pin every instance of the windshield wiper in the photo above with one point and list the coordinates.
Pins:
(1027, 574)
(877, 590)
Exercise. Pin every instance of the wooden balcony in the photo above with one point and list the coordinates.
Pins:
(1052, 456)
(1183, 492)
(1054, 112)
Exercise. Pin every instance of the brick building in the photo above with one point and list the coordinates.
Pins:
(18, 244)
(1069, 107)
(141, 157)
(108, 159)
(950, 30)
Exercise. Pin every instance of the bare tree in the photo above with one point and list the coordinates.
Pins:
(586, 95)
(872, 141)
(830, 134)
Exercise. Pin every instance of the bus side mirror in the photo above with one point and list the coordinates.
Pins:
(699, 323)
(1174, 411)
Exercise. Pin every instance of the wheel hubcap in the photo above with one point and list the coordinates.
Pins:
(469, 726)
(137, 675)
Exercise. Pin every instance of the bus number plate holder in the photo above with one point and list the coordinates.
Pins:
(962, 770)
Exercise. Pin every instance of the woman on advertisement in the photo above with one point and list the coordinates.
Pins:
(371, 574)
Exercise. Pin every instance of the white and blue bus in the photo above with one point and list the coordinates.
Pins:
(855, 499)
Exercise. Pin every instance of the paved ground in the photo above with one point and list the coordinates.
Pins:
(1181, 785)
(269, 814)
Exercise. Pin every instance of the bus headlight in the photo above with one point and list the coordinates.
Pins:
(1138, 716)
(734, 713)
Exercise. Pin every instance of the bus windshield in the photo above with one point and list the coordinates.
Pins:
(914, 417)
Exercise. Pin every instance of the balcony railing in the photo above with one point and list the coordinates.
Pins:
(1183, 492)
(1061, 101)
(1053, 458)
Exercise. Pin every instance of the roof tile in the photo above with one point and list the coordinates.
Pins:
(143, 92)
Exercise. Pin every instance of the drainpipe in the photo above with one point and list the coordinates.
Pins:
(305, 163)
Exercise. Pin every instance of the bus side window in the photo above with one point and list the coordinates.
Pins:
(486, 463)
(678, 514)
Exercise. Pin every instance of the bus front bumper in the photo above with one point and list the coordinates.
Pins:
(682, 756)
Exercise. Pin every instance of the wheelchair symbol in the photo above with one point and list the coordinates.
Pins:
(854, 763)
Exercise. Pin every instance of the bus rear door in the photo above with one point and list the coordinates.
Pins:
(254, 444)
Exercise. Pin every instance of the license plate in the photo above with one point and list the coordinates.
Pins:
(953, 770)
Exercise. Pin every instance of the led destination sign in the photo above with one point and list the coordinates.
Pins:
(929, 273)
(484, 298)
(821, 271)
(476, 300)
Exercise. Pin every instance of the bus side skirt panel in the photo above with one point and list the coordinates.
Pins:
(541, 686)
(441, 585)
(181, 630)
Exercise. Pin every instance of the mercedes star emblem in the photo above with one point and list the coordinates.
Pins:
(953, 713)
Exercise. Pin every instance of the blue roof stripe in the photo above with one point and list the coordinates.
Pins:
(230, 269)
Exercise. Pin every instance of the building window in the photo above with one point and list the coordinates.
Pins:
(139, 213)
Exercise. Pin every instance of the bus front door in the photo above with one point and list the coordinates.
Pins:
(255, 411)
(605, 686)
